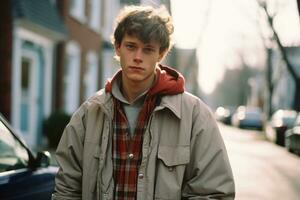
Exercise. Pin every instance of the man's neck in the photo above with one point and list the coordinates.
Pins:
(131, 90)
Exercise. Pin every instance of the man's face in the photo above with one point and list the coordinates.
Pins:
(138, 60)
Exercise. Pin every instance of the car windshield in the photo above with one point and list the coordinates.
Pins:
(12, 154)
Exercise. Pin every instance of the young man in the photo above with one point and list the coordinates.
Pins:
(143, 137)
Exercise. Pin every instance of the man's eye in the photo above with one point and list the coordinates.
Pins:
(148, 50)
(129, 46)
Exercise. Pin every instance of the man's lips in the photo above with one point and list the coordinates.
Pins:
(135, 68)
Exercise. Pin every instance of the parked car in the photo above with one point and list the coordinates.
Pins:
(292, 137)
(248, 117)
(224, 114)
(280, 121)
(24, 175)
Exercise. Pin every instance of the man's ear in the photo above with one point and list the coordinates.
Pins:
(162, 55)
(117, 49)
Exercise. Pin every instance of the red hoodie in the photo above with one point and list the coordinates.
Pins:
(169, 82)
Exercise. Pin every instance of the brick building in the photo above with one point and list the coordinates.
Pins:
(78, 59)
(49, 58)
(31, 30)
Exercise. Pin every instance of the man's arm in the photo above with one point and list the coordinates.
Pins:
(208, 175)
(69, 153)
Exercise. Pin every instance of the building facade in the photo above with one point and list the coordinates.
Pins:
(34, 28)
(78, 57)
(50, 54)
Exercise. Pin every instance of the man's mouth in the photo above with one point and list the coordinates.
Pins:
(136, 68)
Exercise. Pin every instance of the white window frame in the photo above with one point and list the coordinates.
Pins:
(91, 74)
(95, 15)
(77, 11)
(71, 80)
(30, 135)
(111, 10)
(22, 34)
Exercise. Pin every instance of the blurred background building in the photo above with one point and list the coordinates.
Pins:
(31, 31)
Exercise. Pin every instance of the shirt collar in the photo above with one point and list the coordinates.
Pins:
(116, 92)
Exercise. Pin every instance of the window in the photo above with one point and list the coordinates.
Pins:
(95, 14)
(91, 74)
(12, 154)
(77, 9)
(25, 93)
(71, 77)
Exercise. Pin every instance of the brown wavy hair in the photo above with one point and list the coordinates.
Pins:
(146, 23)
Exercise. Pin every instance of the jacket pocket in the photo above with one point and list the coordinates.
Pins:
(171, 164)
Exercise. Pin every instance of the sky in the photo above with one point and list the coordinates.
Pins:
(219, 29)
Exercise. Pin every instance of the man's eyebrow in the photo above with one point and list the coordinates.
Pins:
(147, 45)
(129, 42)
(150, 46)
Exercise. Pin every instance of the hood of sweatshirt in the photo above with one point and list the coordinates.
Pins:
(168, 82)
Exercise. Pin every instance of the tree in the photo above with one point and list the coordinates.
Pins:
(298, 6)
(288, 64)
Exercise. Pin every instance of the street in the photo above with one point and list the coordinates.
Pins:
(262, 170)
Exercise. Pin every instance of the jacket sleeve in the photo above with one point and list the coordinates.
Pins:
(69, 158)
(208, 175)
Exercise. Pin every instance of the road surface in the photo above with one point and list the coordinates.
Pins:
(262, 170)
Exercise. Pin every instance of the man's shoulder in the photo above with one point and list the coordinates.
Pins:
(187, 97)
(99, 100)
(95, 98)
(185, 103)
(99, 97)
(198, 102)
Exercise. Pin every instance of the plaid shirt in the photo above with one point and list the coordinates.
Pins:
(127, 150)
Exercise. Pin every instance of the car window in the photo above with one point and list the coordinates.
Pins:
(289, 121)
(12, 154)
(297, 122)
(253, 114)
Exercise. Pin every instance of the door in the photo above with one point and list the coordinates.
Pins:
(28, 98)
(32, 68)
(30, 94)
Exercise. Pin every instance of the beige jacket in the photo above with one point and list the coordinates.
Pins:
(184, 156)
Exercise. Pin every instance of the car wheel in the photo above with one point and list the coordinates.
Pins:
(291, 150)
(280, 139)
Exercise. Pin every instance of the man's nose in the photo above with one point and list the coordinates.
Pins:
(138, 56)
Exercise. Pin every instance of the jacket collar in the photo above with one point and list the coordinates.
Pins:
(173, 103)
(104, 100)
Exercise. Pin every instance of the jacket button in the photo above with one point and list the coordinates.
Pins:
(130, 156)
(141, 175)
(170, 169)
